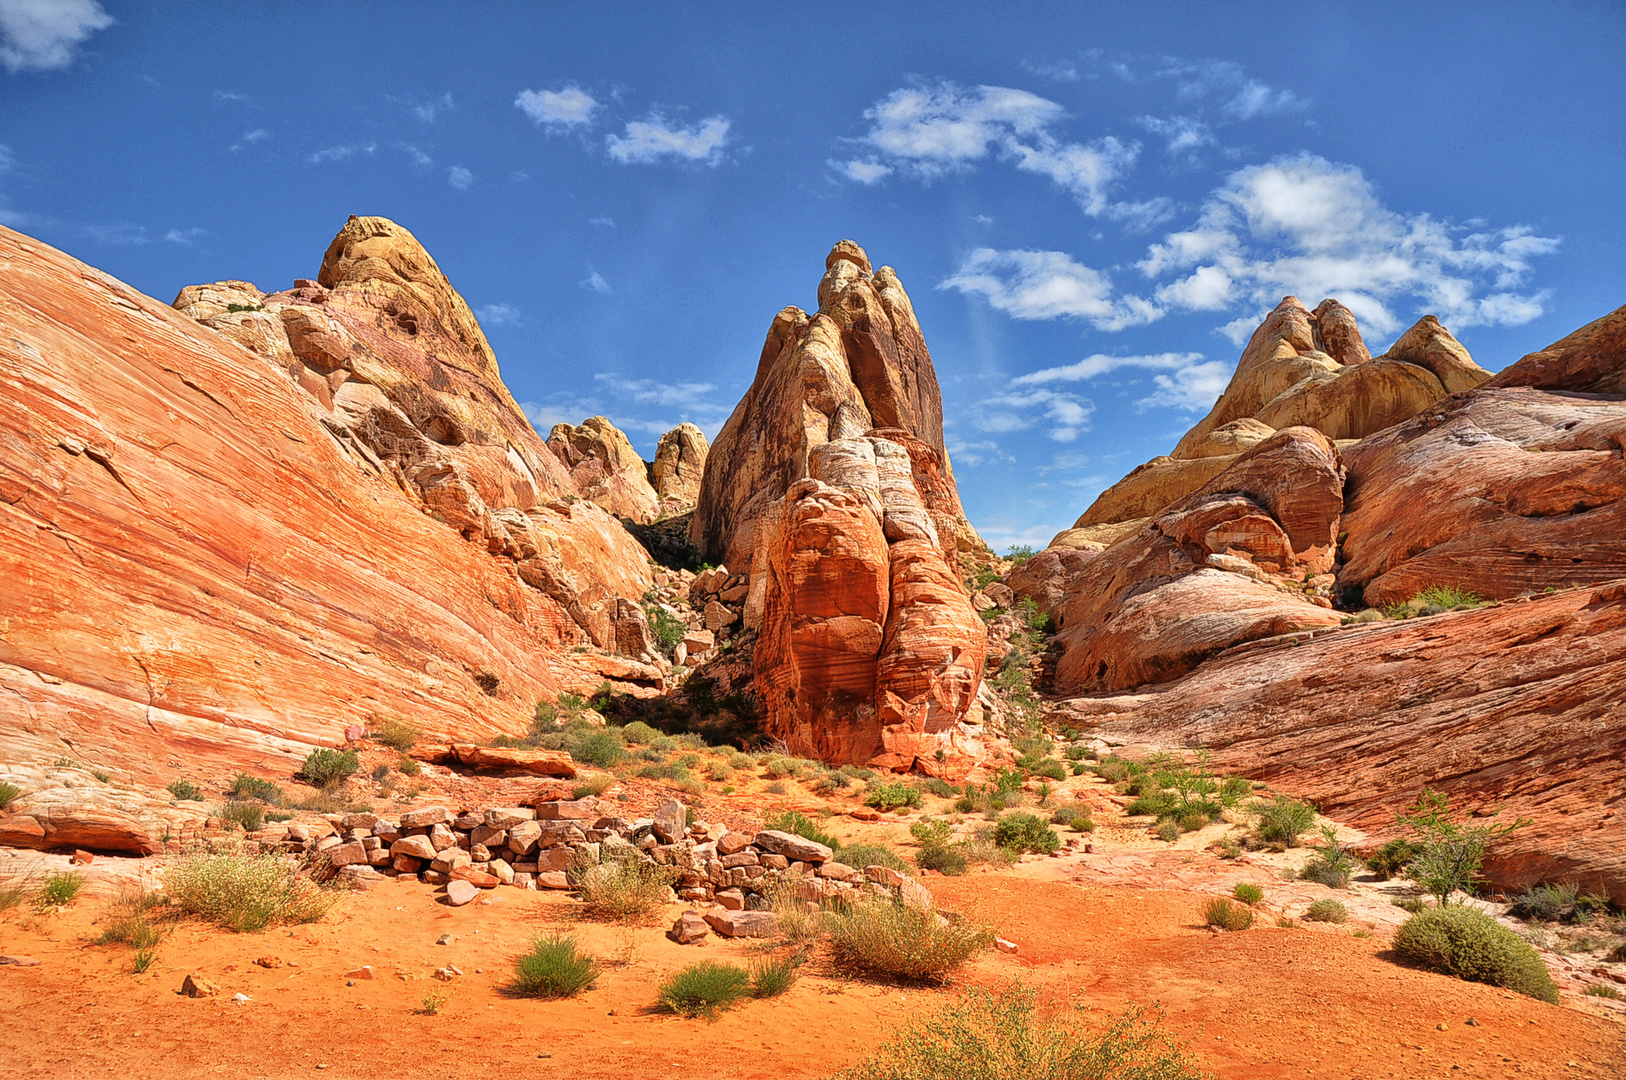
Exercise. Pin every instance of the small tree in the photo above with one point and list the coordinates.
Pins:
(1449, 852)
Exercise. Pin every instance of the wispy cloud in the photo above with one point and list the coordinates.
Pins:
(497, 314)
(1101, 364)
(428, 110)
(341, 152)
(1059, 70)
(1192, 389)
(607, 222)
(595, 282)
(185, 237)
(1181, 134)
(652, 392)
(231, 97)
(45, 35)
(566, 107)
(932, 130)
(249, 138)
(1228, 85)
(865, 171)
(1033, 285)
(656, 139)
(418, 156)
(459, 177)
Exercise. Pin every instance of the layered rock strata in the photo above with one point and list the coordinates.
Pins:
(605, 468)
(231, 554)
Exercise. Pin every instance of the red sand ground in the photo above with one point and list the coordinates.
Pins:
(1264, 1003)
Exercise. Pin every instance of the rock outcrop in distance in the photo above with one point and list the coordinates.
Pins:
(1300, 368)
(680, 462)
(830, 483)
(606, 469)
(226, 537)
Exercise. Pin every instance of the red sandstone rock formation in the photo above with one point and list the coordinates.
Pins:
(207, 553)
(605, 468)
(857, 364)
(1592, 360)
(1222, 566)
(1516, 706)
(1299, 368)
(680, 462)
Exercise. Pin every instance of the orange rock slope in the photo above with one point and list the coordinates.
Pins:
(224, 547)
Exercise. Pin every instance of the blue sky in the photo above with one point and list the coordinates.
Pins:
(1091, 205)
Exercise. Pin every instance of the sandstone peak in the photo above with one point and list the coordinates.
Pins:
(680, 462)
(849, 251)
(605, 468)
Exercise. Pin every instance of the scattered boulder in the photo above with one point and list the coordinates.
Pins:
(689, 929)
(791, 846)
(743, 924)
(196, 986)
(460, 892)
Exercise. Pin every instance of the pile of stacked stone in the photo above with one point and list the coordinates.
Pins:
(718, 600)
(537, 847)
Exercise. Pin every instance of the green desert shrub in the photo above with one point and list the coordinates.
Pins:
(59, 888)
(772, 976)
(556, 967)
(397, 734)
(892, 796)
(135, 918)
(936, 785)
(622, 889)
(1471, 945)
(1003, 1034)
(862, 855)
(245, 893)
(252, 787)
(1603, 990)
(1026, 832)
(1168, 829)
(601, 749)
(1221, 912)
(950, 861)
(704, 989)
(1553, 902)
(1282, 820)
(885, 937)
(1051, 769)
(1333, 864)
(8, 793)
(1327, 911)
(181, 790)
(1248, 893)
(932, 832)
(1391, 858)
(326, 768)
(248, 816)
(799, 824)
(667, 630)
(639, 733)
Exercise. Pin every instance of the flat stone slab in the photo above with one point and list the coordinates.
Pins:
(743, 924)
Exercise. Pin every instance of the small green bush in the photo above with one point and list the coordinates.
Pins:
(593, 785)
(8, 792)
(407, 766)
(1552, 902)
(885, 937)
(931, 832)
(772, 976)
(326, 768)
(1283, 820)
(397, 734)
(1002, 1034)
(134, 918)
(59, 889)
(245, 894)
(667, 630)
(554, 968)
(1471, 945)
(639, 733)
(884, 796)
(1226, 915)
(780, 765)
(862, 855)
(182, 790)
(1051, 769)
(1603, 990)
(252, 787)
(601, 748)
(704, 989)
(1026, 832)
(1391, 858)
(799, 824)
(1327, 911)
(936, 785)
(946, 860)
(1248, 893)
(1167, 829)
(248, 816)
(622, 889)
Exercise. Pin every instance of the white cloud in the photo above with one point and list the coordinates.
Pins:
(249, 138)
(223, 97)
(930, 131)
(650, 392)
(982, 219)
(867, 171)
(566, 107)
(1018, 410)
(1229, 85)
(1100, 364)
(1181, 134)
(647, 141)
(1257, 99)
(459, 177)
(625, 402)
(430, 109)
(418, 156)
(595, 281)
(497, 314)
(1047, 285)
(44, 35)
(1313, 228)
(339, 153)
(185, 237)
(1061, 70)
(1191, 389)
(123, 235)
(8, 160)
(607, 222)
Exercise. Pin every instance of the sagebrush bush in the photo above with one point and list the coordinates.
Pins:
(704, 989)
(136, 918)
(862, 855)
(1002, 1034)
(1168, 829)
(326, 768)
(1026, 832)
(397, 734)
(1553, 902)
(945, 859)
(1283, 820)
(1248, 893)
(1391, 858)
(181, 790)
(884, 796)
(936, 785)
(1327, 911)
(252, 787)
(248, 816)
(59, 888)
(1226, 915)
(554, 968)
(625, 889)
(601, 748)
(1471, 945)
(799, 824)
(639, 733)
(1051, 769)
(794, 919)
(886, 937)
(592, 785)
(245, 893)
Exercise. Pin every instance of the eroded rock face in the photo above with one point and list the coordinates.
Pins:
(395, 369)
(199, 558)
(1591, 360)
(870, 651)
(1499, 491)
(1300, 368)
(1514, 706)
(1222, 566)
(680, 462)
(858, 364)
(605, 468)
